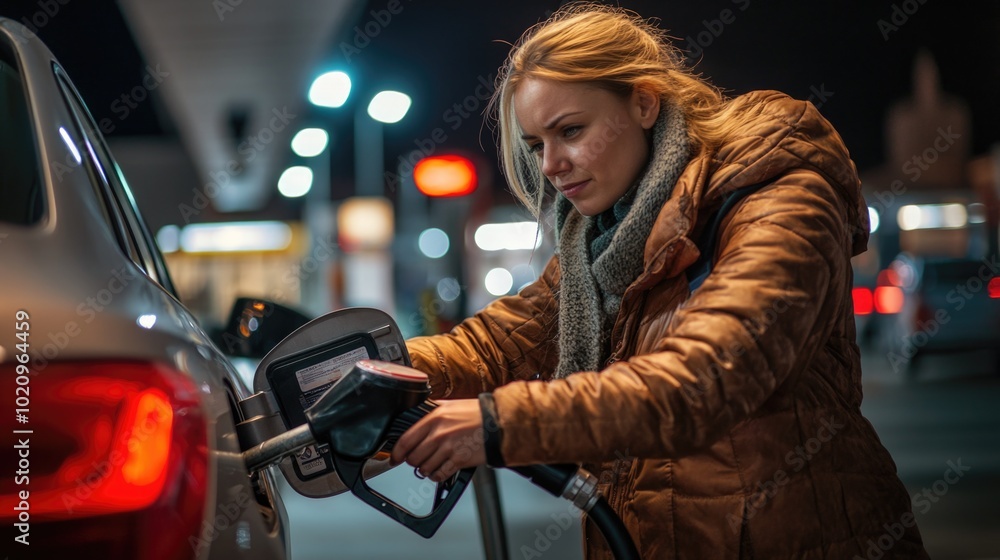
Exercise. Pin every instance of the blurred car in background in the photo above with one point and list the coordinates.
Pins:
(118, 410)
(936, 304)
(865, 267)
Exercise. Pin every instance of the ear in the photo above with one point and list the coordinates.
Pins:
(645, 107)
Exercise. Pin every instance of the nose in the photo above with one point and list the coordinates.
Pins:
(554, 161)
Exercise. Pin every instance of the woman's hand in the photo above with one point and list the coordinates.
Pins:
(445, 441)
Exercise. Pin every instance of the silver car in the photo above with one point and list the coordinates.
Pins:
(118, 411)
(946, 304)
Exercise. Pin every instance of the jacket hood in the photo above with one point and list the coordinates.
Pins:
(779, 134)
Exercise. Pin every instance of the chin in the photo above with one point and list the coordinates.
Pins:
(588, 208)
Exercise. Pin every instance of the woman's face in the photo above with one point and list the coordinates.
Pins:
(591, 144)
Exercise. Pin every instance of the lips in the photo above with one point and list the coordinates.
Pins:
(573, 189)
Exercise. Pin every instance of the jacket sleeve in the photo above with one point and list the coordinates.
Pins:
(514, 337)
(783, 264)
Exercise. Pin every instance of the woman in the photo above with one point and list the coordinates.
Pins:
(720, 412)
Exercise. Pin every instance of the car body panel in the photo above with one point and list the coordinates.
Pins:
(90, 298)
(946, 308)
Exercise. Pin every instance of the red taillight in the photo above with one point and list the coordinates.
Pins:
(888, 299)
(117, 458)
(863, 303)
(993, 288)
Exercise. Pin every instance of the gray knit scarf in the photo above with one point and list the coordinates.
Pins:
(591, 292)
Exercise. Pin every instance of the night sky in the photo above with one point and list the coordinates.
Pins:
(838, 53)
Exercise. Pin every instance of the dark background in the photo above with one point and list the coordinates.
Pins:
(437, 51)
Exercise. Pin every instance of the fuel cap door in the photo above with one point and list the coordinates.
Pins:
(300, 368)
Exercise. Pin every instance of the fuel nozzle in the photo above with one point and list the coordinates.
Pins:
(355, 414)
(365, 413)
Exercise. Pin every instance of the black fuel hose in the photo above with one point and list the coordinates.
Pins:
(570, 482)
(613, 530)
(561, 480)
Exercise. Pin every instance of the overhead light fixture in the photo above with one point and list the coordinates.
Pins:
(295, 181)
(169, 238)
(433, 243)
(330, 89)
(389, 106)
(932, 216)
(448, 289)
(365, 223)
(511, 236)
(310, 142)
(873, 219)
(499, 281)
(235, 236)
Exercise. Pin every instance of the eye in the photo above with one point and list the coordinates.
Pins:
(535, 148)
(571, 131)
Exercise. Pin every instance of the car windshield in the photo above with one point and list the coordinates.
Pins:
(20, 181)
(951, 272)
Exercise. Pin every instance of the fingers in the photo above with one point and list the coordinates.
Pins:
(439, 467)
(410, 440)
(422, 446)
(446, 440)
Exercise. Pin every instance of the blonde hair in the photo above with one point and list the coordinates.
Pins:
(611, 48)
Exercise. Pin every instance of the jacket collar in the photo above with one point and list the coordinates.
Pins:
(779, 134)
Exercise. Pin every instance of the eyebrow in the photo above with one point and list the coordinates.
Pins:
(552, 124)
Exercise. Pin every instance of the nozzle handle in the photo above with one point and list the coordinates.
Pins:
(445, 498)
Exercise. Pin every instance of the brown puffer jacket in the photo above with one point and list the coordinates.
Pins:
(727, 422)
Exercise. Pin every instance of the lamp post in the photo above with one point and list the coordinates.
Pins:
(368, 262)
(313, 182)
(359, 224)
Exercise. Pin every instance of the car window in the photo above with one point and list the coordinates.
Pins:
(951, 273)
(138, 242)
(20, 177)
(157, 263)
(85, 147)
